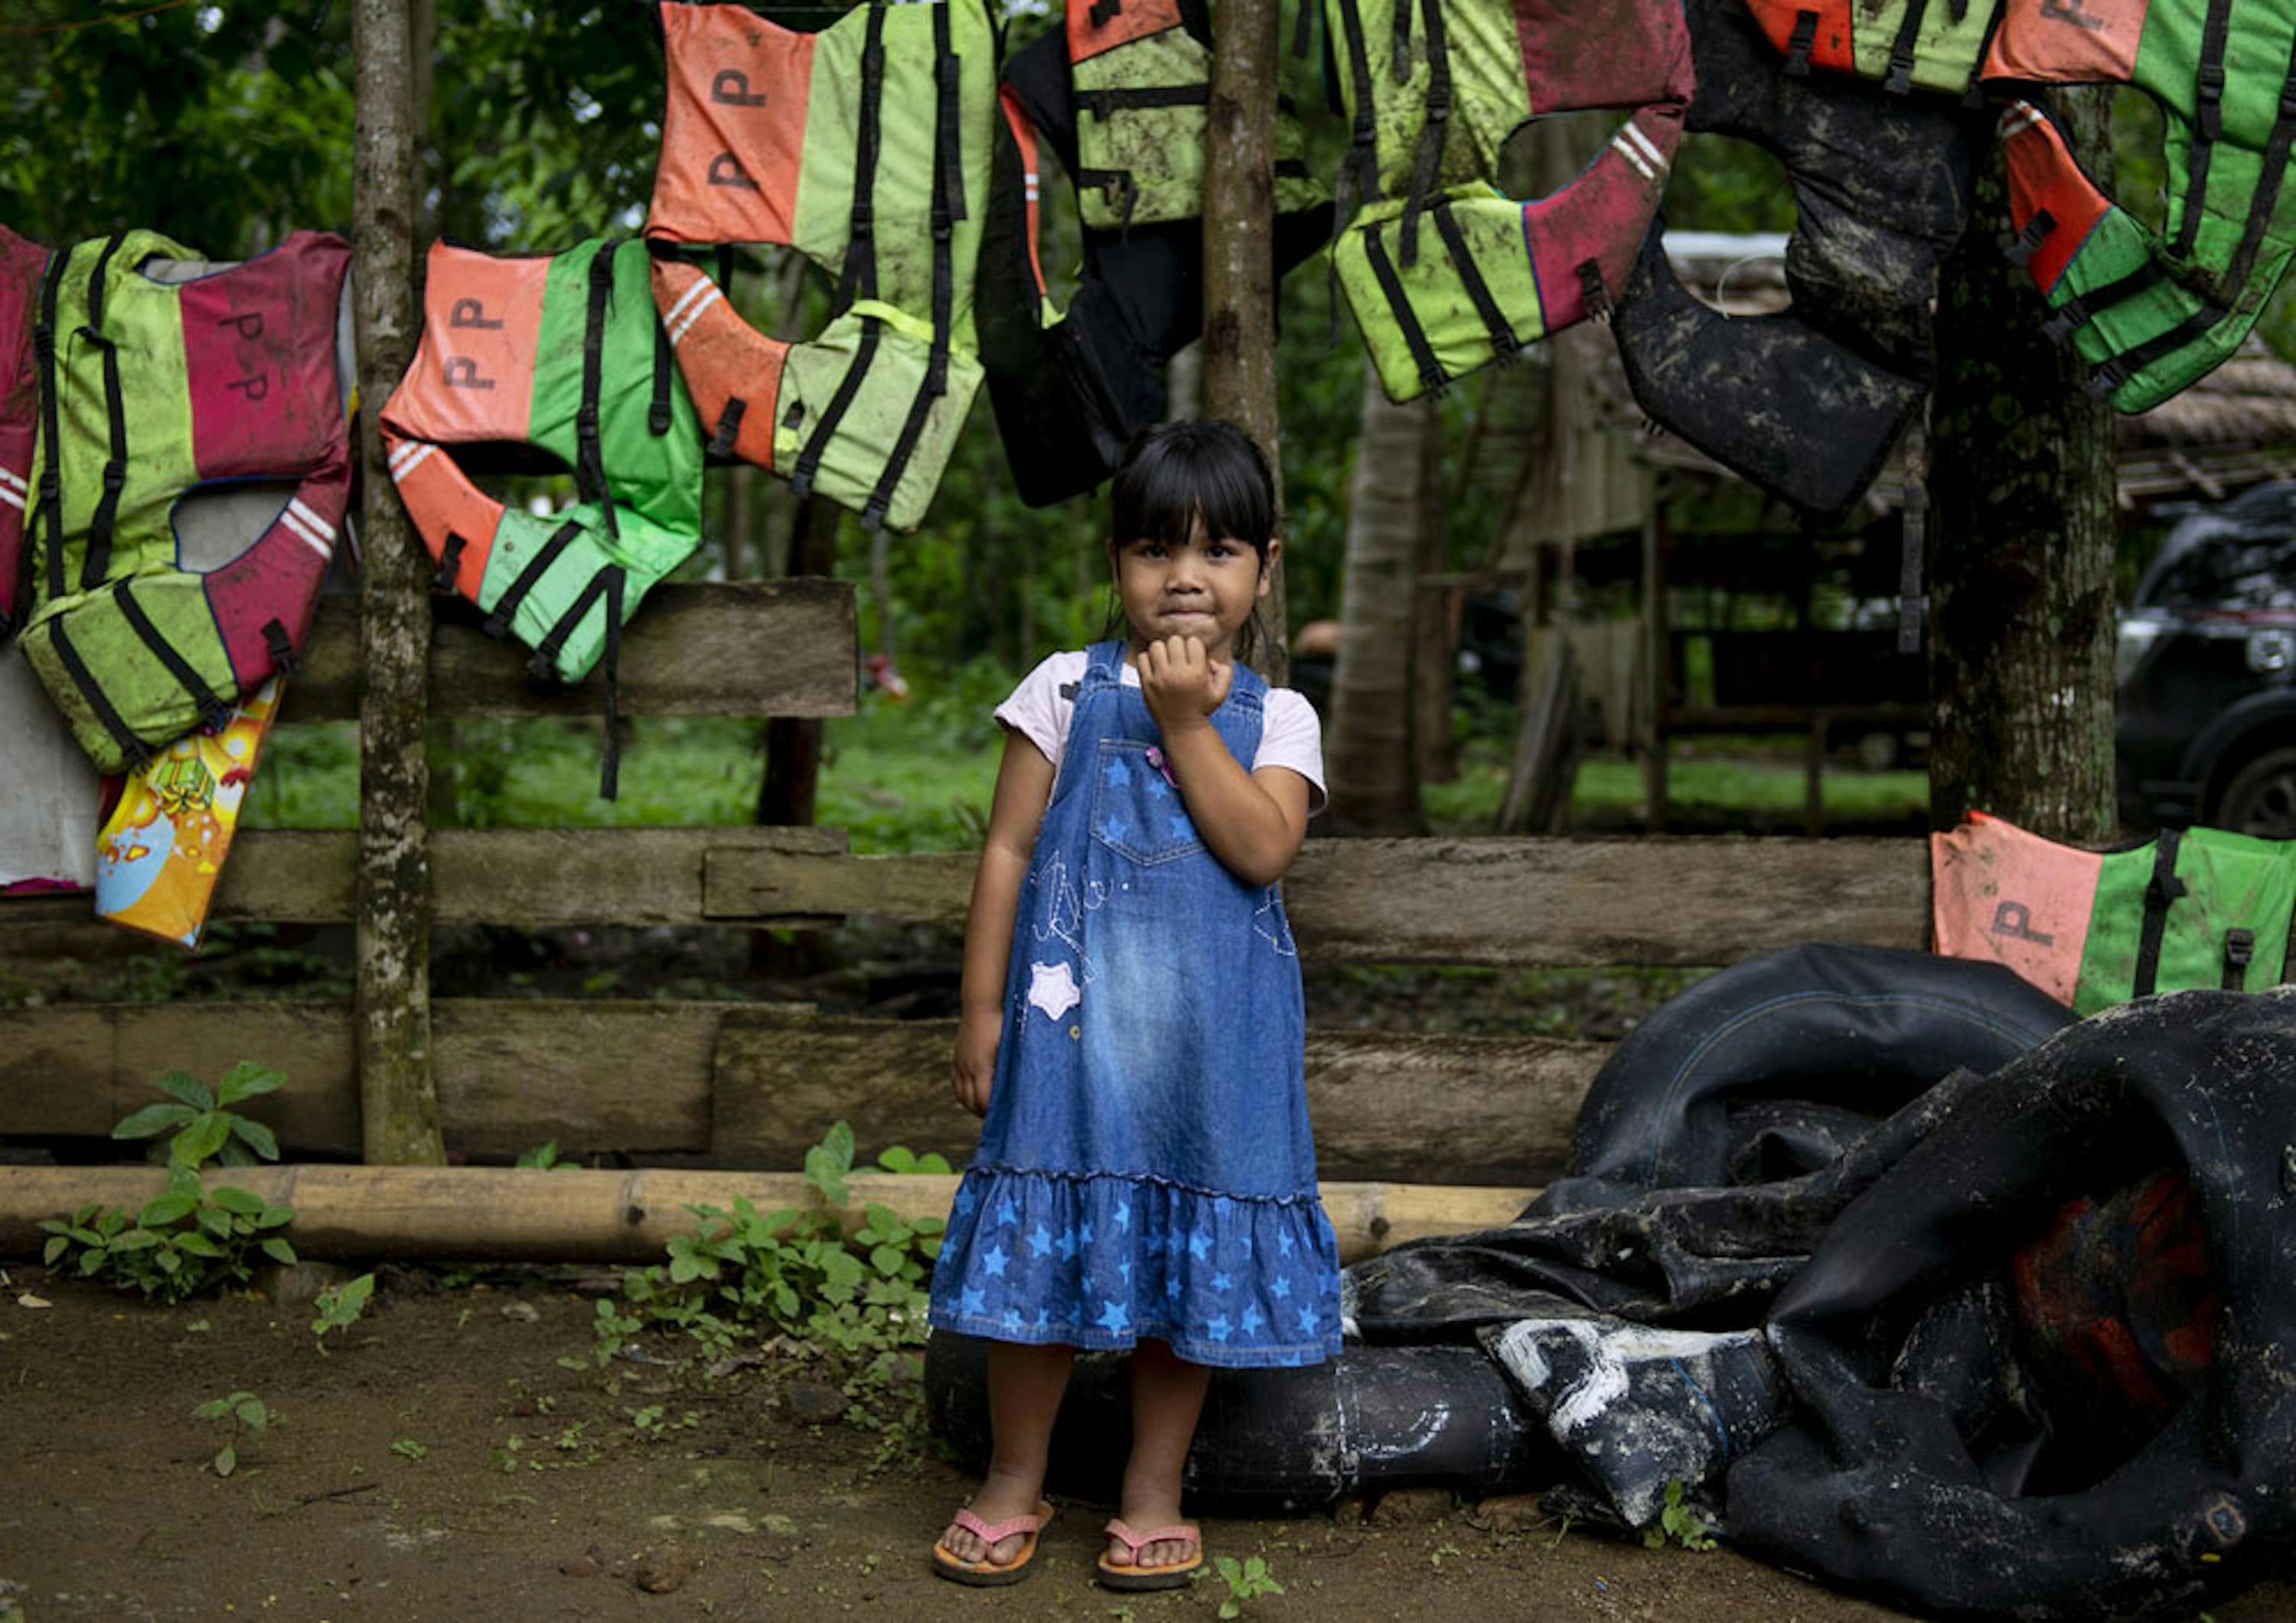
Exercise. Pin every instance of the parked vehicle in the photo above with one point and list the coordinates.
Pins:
(2206, 669)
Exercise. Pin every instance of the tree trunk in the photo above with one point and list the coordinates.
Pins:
(1369, 756)
(1239, 343)
(2021, 489)
(398, 1101)
(793, 745)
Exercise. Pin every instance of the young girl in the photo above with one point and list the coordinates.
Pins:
(1132, 1025)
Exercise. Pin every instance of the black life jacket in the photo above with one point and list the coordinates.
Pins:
(1807, 402)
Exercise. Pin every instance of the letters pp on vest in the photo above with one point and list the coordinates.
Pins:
(865, 147)
(147, 389)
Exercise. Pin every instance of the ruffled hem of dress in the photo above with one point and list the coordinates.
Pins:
(1101, 1261)
(1090, 1338)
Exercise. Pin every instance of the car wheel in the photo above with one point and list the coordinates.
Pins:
(2263, 799)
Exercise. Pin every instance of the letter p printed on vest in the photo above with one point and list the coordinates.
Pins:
(249, 326)
(726, 170)
(731, 88)
(469, 313)
(2015, 919)
(460, 371)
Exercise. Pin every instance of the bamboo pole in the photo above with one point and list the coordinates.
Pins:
(399, 1099)
(479, 1214)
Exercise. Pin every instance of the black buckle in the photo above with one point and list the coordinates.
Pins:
(115, 478)
(541, 665)
(586, 421)
(2030, 240)
(43, 343)
(862, 221)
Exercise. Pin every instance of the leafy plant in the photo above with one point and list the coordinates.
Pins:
(1247, 1580)
(189, 1238)
(744, 1274)
(1677, 1521)
(544, 1156)
(244, 1413)
(408, 1449)
(204, 1125)
(341, 1305)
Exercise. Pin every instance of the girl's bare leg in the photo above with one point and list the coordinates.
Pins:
(1168, 1395)
(1025, 1384)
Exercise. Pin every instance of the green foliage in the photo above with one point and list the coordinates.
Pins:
(742, 1273)
(1678, 1523)
(189, 1238)
(245, 1416)
(408, 1449)
(1247, 1580)
(204, 1125)
(341, 1305)
(544, 1156)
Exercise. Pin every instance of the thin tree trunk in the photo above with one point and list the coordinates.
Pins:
(1369, 756)
(2022, 494)
(398, 1101)
(1434, 631)
(792, 778)
(1239, 342)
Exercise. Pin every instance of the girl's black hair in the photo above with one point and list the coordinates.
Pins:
(1175, 473)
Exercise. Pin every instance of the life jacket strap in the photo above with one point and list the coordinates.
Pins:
(2162, 889)
(1504, 345)
(1900, 78)
(2239, 949)
(1432, 378)
(281, 646)
(202, 697)
(589, 459)
(658, 408)
(2082, 308)
(2208, 123)
(2115, 369)
(859, 280)
(729, 427)
(1101, 100)
(450, 564)
(97, 561)
(505, 609)
(2028, 242)
(808, 461)
(1799, 43)
(1592, 293)
(52, 493)
(2266, 199)
(135, 751)
(1431, 133)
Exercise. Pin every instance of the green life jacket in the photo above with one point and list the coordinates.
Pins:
(864, 146)
(148, 390)
(1140, 76)
(567, 354)
(2200, 908)
(1433, 88)
(2153, 314)
(22, 265)
(1906, 45)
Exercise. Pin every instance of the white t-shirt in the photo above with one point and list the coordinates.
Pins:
(1041, 708)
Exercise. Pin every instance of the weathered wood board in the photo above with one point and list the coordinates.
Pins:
(743, 648)
(1540, 902)
(750, 1086)
(1448, 1110)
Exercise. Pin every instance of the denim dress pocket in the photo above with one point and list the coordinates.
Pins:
(1136, 810)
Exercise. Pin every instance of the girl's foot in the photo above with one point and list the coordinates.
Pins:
(997, 1502)
(1157, 1551)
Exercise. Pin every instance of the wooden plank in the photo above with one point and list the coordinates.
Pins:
(743, 648)
(534, 878)
(594, 1075)
(749, 1085)
(476, 1213)
(1480, 1110)
(1538, 902)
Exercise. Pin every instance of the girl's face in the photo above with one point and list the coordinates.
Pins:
(1203, 587)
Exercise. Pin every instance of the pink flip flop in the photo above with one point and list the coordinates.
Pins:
(983, 1574)
(1171, 1575)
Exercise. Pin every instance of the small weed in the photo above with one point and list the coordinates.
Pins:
(544, 1156)
(340, 1306)
(243, 1413)
(1679, 1522)
(1435, 1556)
(408, 1449)
(1247, 1580)
(189, 1238)
(504, 1458)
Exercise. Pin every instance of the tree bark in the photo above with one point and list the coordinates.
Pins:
(2021, 618)
(398, 1101)
(1370, 756)
(1239, 343)
(793, 777)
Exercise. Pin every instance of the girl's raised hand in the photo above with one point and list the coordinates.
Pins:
(1182, 683)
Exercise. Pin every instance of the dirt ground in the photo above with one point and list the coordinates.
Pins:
(442, 1463)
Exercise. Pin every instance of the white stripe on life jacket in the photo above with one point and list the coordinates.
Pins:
(2020, 117)
(685, 325)
(10, 479)
(295, 506)
(1632, 132)
(407, 458)
(319, 544)
(1626, 151)
(1028, 180)
(12, 497)
(700, 285)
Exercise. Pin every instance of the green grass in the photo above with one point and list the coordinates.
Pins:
(919, 777)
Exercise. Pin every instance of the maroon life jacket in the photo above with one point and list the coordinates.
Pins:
(22, 263)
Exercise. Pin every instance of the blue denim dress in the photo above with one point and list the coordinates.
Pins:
(1145, 1167)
